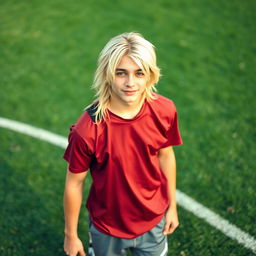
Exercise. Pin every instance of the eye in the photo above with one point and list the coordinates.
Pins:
(120, 73)
(140, 74)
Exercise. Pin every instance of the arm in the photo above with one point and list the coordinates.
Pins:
(167, 163)
(73, 195)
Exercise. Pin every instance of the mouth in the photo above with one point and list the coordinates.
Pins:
(130, 92)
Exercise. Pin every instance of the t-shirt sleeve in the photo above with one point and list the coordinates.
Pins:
(173, 133)
(77, 153)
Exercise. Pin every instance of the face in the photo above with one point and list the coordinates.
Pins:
(129, 83)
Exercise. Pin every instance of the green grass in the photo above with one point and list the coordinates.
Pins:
(206, 51)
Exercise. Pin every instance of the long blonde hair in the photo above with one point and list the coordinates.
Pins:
(140, 51)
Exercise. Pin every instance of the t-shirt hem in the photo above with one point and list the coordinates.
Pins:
(172, 144)
(128, 236)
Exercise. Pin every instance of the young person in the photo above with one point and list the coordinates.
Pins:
(125, 139)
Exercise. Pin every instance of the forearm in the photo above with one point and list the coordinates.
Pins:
(73, 195)
(168, 166)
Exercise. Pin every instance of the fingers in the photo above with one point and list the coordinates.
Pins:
(166, 229)
(80, 253)
(73, 247)
(172, 228)
(169, 228)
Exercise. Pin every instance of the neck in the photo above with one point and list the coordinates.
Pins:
(125, 110)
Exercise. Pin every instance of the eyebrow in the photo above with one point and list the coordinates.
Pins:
(122, 69)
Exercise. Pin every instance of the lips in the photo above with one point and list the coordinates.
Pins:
(130, 92)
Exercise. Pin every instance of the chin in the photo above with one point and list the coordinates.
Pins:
(128, 102)
(131, 101)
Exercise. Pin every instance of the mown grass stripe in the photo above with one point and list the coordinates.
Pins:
(184, 200)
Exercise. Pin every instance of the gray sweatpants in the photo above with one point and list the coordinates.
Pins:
(152, 243)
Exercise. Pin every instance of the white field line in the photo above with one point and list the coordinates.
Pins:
(216, 221)
(37, 133)
(184, 200)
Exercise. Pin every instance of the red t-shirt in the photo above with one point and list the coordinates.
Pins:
(128, 195)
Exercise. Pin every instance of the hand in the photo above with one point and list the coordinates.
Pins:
(171, 221)
(73, 246)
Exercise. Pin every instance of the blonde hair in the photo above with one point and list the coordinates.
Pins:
(140, 51)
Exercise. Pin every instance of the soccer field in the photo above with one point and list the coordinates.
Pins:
(206, 52)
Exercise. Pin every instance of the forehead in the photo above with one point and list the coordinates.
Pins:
(127, 63)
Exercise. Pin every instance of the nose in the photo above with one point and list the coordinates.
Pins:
(130, 81)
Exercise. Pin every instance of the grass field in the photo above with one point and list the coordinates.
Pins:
(206, 51)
